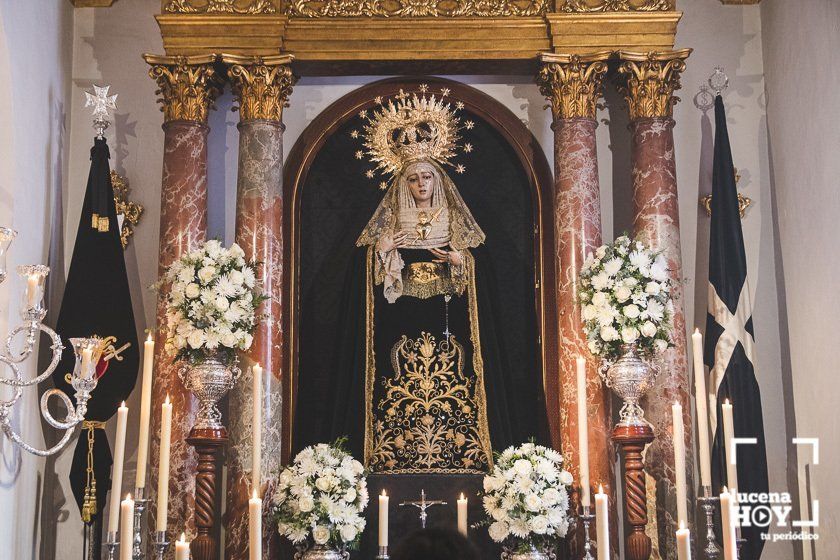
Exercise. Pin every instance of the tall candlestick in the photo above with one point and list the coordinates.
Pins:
(583, 432)
(256, 429)
(126, 528)
(117, 472)
(683, 543)
(679, 463)
(163, 465)
(727, 521)
(462, 515)
(255, 527)
(701, 401)
(145, 413)
(731, 458)
(602, 523)
(182, 548)
(383, 519)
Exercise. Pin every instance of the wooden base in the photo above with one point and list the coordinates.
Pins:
(632, 441)
(208, 443)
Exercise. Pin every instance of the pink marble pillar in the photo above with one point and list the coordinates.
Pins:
(262, 87)
(651, 80)
(187, 87)
(572, 84)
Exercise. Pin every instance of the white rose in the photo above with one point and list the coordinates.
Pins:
(196, 339)
(648, 329)
(609, 333)
(192, 290)
(246, 341)
(322, 484)
(306, 504)
(207, 273)
(539, 525)
(348, 533)
(237, 277)
(350, 495)
(550, 497)
(523, 467)
(236, 251)
(599, 299)
(533, 502)
(629, 335)
(631, 311)
(590, 312)
(222, 303)
(660, 345)
(498, 531)
(623, 293)
(228, 339)
(653, 288)
(321, 534)
(601, 251)
(566, 478)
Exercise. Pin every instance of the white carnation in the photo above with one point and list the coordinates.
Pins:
(590, 312)
(499, 531)
(523, 467)
(533, 502)
(550, 497)
(609, 334)
(600, 281)
(186, 274)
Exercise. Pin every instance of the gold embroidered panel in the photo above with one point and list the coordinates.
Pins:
(584, 6)
(427, 419)
(416, 8)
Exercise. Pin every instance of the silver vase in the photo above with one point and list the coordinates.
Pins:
(630, 377)
(209, 380)
(321, 552)
(532, 554)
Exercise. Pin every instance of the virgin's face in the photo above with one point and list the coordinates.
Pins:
(421, 184)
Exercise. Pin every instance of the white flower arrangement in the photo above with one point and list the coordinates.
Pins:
(625, 298)
(526, 497)
(212, 302)
(322, 496)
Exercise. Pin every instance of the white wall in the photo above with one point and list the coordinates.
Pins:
(803, 108)
(34, 101)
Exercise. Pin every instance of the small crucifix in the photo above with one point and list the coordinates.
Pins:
(423, 505)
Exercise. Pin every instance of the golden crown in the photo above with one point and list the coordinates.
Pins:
(411, 127)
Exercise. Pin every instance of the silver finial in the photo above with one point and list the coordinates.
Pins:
(704, 100)
(718, 81)
(101, 103)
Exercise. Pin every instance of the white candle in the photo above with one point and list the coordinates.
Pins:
(163, 465)
(256, 429)
(145, 412)
(117, 470)
(727, 521)
(683, 543)
(462, 515)
(602, 523)
(731, 459)
(33, 290)
(679, 463)
(255, 528)
(701, 401)
(383, 519)
(583, 432)
(87, 358)
(126, 528)
(182, 548)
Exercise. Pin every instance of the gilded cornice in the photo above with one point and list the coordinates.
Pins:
(588, 6)
(572, 83)
(262, 85)
(247, 7)
(188, 85)
(648, 81)
(415, 8)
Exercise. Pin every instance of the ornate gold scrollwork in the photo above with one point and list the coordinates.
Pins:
(188, 85)
(572, 83)
(220, 7)
(131, 211)
(650, 80)
(578, 6)
(262, 85)
(427, 420)
(416, 8)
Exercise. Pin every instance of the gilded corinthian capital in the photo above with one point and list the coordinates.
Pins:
(262, 85)
(648, 81)
(187, 85)
(572, 83)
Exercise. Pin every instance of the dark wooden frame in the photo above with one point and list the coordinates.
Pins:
(533, 160)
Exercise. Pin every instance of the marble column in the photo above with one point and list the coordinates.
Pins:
(573, 85)
(648, 81)
(187, 87)
(262, 87)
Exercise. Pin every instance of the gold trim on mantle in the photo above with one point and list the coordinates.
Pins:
(131, 211)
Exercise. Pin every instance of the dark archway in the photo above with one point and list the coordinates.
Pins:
(534, 167)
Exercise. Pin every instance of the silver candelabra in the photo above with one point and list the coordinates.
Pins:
(83, 379)
(707, 502)
(586, 517)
